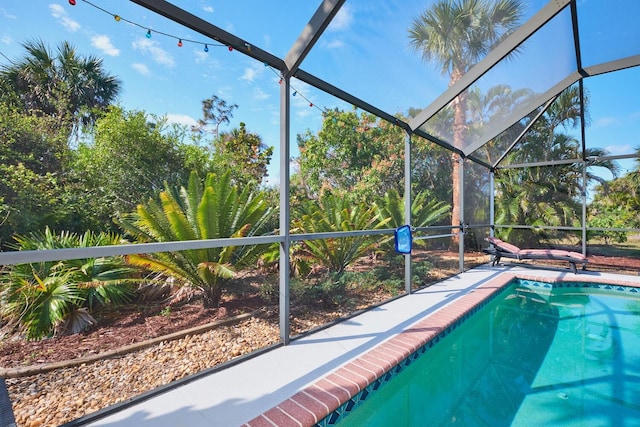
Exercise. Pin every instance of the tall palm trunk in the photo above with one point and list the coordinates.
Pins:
(459, 133)
(457, 35)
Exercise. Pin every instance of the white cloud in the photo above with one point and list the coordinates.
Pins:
(6, 14)
(152, 48)
(342, 20)
(334, 44)
(302, 106)
(181, 119)
(226, 93)
(303, 112)
(252, 73)
(607, 121)
(6, 39)
(299, 99)
(271, 181)
(267, 40)
(201, 56)
(141, 68)
(249, 74)
(103, 43)
(260, 95)
(207, 8)
(619, 149)
(58, 12)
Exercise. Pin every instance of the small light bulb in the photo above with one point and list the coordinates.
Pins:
(72, 2)
(117, 18)
(295, 93)
(230, 48)
(179, 42)
(148, 34)
(206, 48)
(311, 104)
(280, 81)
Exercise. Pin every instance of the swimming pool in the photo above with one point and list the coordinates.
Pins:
(536, 354)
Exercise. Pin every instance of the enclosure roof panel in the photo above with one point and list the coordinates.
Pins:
(368, 55)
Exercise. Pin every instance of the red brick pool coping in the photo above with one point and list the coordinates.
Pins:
(314, 403)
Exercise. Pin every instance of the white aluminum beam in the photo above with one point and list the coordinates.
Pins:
(310, 34)
(538, 101)
(607, 67)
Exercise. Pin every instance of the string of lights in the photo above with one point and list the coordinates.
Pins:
(181, 41)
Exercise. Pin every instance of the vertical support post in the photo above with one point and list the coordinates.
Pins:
(584, 208)
(461, 230)
(285, 217)
(583, 138)
(492, 202)
(407, 207)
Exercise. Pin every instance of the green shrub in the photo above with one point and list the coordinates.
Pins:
(329, 291)
(46, 297)
(336, 214)
(213, 209)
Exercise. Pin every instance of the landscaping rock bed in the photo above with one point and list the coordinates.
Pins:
(51, 398)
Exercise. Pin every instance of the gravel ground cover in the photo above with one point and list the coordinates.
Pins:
(60, 395)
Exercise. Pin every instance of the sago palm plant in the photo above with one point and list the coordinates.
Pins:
(330, 214)
(425, 209)
(215, 209)
(47, 297)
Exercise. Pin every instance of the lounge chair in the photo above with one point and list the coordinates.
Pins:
(500, 249)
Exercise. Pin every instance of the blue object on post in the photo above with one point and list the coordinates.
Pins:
(403, 239)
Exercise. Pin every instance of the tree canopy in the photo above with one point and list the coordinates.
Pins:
(60, 84)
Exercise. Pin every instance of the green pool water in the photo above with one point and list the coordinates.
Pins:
(534, 356)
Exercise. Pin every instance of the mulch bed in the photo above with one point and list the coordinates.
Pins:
(136, 323)
(118, 328)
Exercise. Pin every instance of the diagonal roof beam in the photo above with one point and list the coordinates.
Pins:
(502, 50)
(524, 131)
(318, 83)
(207, 29)
(519, 114)
(632, 61)
(480, 162)
(310, 34)
(607, 67)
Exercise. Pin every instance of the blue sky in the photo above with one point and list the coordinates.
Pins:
(365, 51)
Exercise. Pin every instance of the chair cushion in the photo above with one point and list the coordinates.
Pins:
(577, 255)
(503, 246)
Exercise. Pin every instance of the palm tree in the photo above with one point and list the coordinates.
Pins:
(426, 210)
(548, 195)
(62, 84)
(47, 297)
(457, 34)
(333, 213)
(217, 209)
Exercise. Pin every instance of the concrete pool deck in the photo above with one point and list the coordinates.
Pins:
(302, 382)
